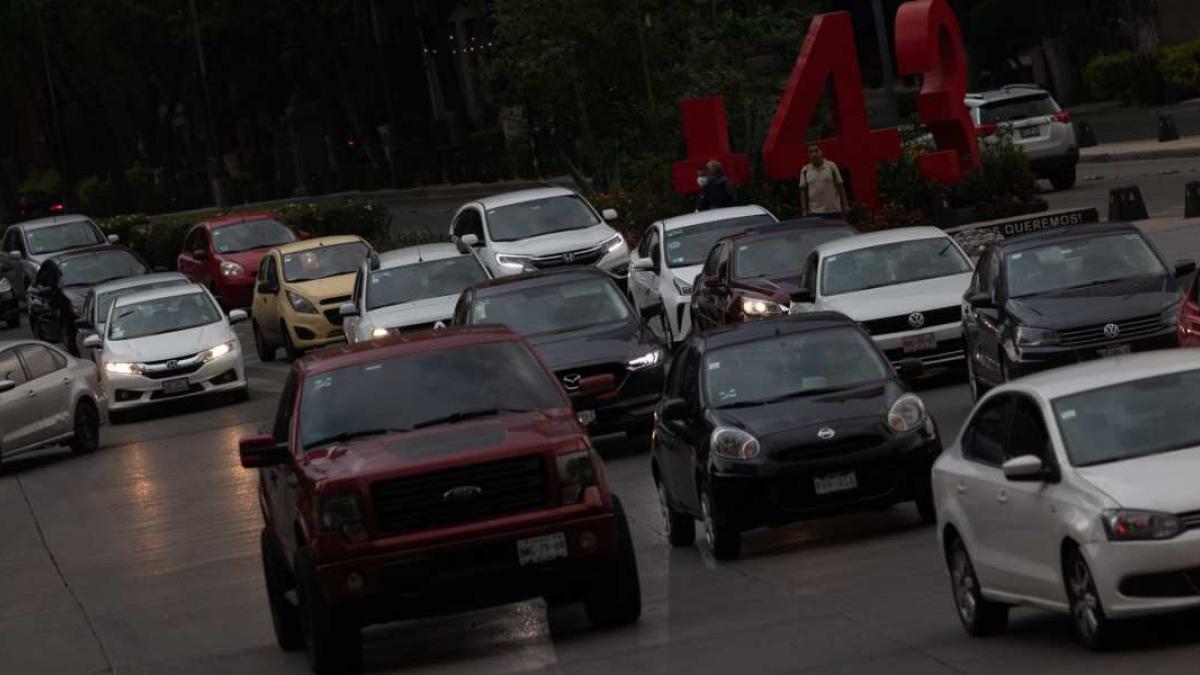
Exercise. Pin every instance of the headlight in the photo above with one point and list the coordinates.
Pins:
(515, 262)
(682, 288)
(218, 351)
(614, 242)
(576, 472)
(301, 304)
(1035, 337)
(342, 512)
(121, 367)
(906, 414)
(647, 360)
(380, 332)
(732, 443)
(5, 285)
(761, 307)
(232, 269)
(1127, 525)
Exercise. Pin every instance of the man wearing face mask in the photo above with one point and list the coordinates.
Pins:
(716, 190)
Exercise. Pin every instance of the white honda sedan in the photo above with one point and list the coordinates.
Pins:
(168, 343)
(1075, 491)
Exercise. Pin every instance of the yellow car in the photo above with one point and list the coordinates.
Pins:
(299, 293)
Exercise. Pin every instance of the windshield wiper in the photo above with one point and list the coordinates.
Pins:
(349, 435)
(466, 415)
(803, 393)
(1098, 282)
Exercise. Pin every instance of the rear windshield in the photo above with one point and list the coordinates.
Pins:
(105, 266)
(1014, 109)
(690, 245)
(784, 254)
(63, 237)
(421, 281)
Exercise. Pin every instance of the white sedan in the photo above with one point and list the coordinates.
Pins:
(168, 343)
(670, 256)
(1075, 491)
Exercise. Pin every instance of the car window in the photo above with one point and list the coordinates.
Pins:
(283, 415)
(249, 235)
(1013, 109)
(106, 300)
(469, 222)
(38, 360)
(162, 315)
(10, 366)
(539, 217)
(681, 370)
(1078, 263)
(322, 262)
(101, 266)
(647, 241)
(1029, 435)
(723, 260)
(809, 280)
(266, 275)
(984, 439)
(891, 264)
(422, 281)
(54, 238)
(710, 264)
(687, 246)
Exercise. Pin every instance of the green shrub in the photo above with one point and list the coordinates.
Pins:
(145, 194)
(46, 182)
(1177, 66)
(1110, 76)
(96, 196)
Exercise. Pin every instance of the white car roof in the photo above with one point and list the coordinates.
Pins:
(713, 215)
(134, 282)
(52, 220)
(415, 254)
(1083, 377)
(519, 196)
(861, 241)
(157, 293)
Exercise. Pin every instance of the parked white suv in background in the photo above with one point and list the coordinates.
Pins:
(540, 229)
(1037, 124)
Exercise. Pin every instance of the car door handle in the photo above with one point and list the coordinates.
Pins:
(30, 394)
(1002, 497)
(66, 380)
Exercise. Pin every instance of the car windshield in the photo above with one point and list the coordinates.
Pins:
(104, 301)
(103, 266)
(889, 264)
(250, 235)
(438, 387)
(62, 237)
(324, 261)
(1079, 263)
(163, 315)
(787, 366)
(1012, 110)
(538, 217)
(687, 246)
(1144, 417)
(554, 308)
(783, 254)
(423, 280)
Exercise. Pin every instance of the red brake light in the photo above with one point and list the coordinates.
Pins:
(58, 207)
(1064, 117)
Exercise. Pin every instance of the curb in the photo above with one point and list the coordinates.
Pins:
(1139, 155)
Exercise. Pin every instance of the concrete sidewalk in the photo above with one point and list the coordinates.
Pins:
(1141, 150)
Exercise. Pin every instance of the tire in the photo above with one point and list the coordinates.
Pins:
(615, 599)
(925, 504)
(724, 541)
(1064, 179)
(978, 615)
(680, 528)
(266, 353)
(1092, 627)
(285, 617)
(333, 641)
(289, 347)
(87, 428)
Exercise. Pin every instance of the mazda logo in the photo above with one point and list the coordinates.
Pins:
(462, 493)
(826, 434)
(1112, 331)
(916, 319)
(571, 382)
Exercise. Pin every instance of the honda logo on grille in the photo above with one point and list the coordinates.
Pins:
(1112, 331)
(916, 319)
(462, 493)
(571, 382)
(569, 257)
(172, 364)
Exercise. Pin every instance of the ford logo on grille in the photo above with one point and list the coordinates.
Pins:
(916, 319)
(826, 434)
(1112, 331)
(571, 382)
(462, 493)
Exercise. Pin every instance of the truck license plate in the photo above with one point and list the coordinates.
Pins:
(1119, 350)
(541, 549)
(1031, 132)
(174, 387)
(925, 342)
(837, 482)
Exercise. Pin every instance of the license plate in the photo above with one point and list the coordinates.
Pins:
(173, 387)
(838, 482)
(541, 549)
(924, 342)
(1031, 132)
(1119, 350)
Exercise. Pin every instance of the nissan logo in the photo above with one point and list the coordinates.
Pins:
(571, 382)
(462, 493)
(826, 434)
(916, 319)
(1112, 331)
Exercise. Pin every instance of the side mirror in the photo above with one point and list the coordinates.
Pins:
(114, 239)
(673, 408)
(348, 309)
(642, 265)
(911, 368)
(610, 214)
(804, 296)
(7, 386)
(1184, 267)
(471, 240)
(238, 316)
(93, 341)
(262, 451)
(199, 254)
(980, 300)
(1026, 468)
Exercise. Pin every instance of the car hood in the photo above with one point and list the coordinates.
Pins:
(1165, 482)
(414, 313)
(900, 299)
(1118, 301)
(600, 344)
(556, 242)
(779, 289)
(687, 274)
(320, 289)
(249, 260)
(800, 419)
(168, 345)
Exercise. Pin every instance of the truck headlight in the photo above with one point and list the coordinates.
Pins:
(906, 414)
(342, 512)
(576, 473)
(231, 269)
(732, 443)
(301, 303)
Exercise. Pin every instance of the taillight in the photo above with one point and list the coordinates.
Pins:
(988, 129)
(1191, 312)
(1064, 117)
(56, 208)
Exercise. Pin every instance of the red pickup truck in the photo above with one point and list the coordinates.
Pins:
(427, 474)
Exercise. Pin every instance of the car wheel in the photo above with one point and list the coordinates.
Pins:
(1087, 614)
(724, 541)
(680, 528)
(615, 599)
(87, 428)
(284, 615)
(333, 641)
(289, 347)
(266, 352)
(925, 504)
(979, 616)
(1064, 179)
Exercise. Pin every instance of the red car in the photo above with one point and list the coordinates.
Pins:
(224, 254)
(1189, 315)
(427, 474)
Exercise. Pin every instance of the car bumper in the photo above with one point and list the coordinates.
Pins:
(235, 293)
(950, 348)
(1037, 359)
(133, 391)
(310, 331)
(1150, 577)
(781, 491)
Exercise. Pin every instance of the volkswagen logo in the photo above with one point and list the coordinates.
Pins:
(571, 382)
(462, 493)
(826, 434)
(172, 364)
(916, 320)
(1112, 331)
(569, 257)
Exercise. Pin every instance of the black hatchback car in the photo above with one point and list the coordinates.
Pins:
(62, 283)
(772, 422)
(582, 326)
(1051, 299)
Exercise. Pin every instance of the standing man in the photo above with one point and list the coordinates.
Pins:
(822, 192)
(717, 191)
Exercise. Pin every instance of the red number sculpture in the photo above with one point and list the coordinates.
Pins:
(929, 43)
(829, 51)
(706, 131)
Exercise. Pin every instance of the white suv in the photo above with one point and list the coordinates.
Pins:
(540, 229)
(1038, 126)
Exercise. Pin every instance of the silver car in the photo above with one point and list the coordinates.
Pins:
(1037, 125)
(33, 241)
(47, 397)
(101, 297)
(540, 229)
(409, 289)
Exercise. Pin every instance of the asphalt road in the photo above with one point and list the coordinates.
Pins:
(143, 558)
